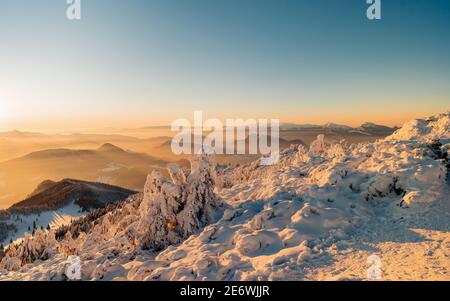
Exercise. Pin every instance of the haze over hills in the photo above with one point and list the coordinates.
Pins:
(289, 134)
(165, 152)
(15, 144)
(27, 159)
(107, 164)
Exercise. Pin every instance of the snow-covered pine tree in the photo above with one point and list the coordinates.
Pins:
(41, 246)
(161, 203)
(201, 203)
(173, 209)
(317, 147)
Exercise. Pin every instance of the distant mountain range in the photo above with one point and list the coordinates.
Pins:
(106, 164)
(27, 159)
(296, 125)
(369, 127)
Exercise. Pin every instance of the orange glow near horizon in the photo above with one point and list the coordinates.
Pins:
(102, 123)
(26, 111)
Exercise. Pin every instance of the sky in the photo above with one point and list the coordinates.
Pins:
(147, 62)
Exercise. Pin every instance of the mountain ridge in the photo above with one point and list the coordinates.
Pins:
(51, 195)
(107, 164)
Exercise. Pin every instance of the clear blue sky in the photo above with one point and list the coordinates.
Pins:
(147, 62)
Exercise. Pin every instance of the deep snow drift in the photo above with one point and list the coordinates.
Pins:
(319, 213)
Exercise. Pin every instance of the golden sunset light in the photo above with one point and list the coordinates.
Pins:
(224, 149)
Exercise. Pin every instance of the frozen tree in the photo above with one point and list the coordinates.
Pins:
(68, 246)
(160, 205)
(317, 147)
(173, 209)
(201, 203)
(11, 260)
(41, 246)
(169, 211)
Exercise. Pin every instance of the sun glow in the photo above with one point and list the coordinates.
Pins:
(3, 107)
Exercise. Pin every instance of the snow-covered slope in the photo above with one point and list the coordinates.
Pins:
(319, 213)
(23, 223)
(55, 204)
(425, 130)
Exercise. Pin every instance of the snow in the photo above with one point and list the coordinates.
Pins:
(425, 130)
(321, 213)
(55, 219)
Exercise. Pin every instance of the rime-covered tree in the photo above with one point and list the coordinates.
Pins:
(173, 209)
(41, 246)
(201, 203)
(159, 208)
(317, 147)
